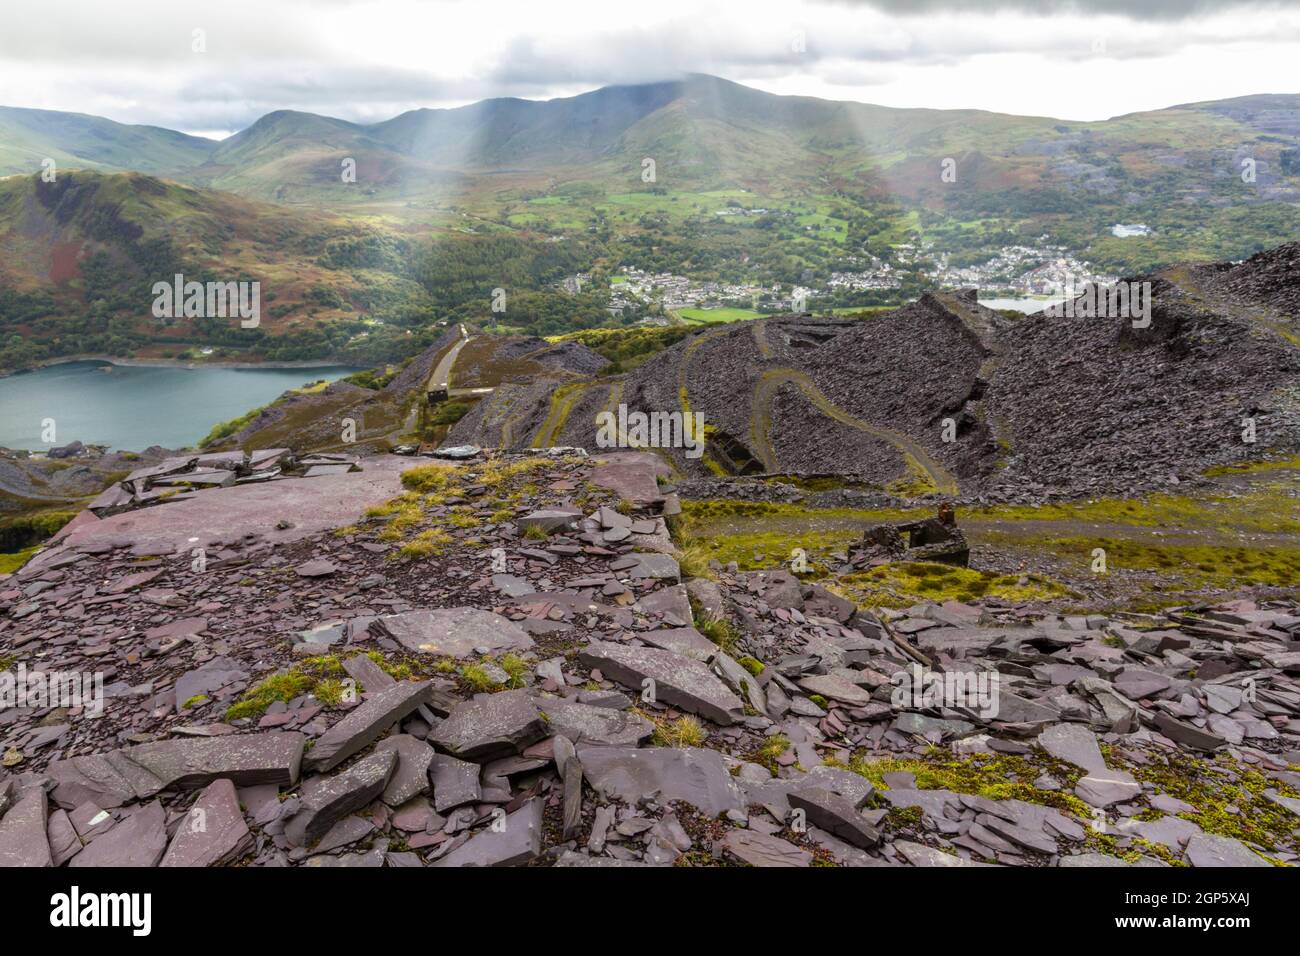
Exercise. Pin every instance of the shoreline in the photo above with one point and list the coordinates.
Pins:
(179, 363)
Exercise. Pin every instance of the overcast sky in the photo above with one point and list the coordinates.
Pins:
(135, 60)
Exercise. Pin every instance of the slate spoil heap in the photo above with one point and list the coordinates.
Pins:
(498, 663)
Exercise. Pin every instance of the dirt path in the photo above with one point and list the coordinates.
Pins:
(917, 457)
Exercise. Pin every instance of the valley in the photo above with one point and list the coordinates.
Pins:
(373, 580)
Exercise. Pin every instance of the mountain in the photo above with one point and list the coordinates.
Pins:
(82, 254)
(72, 140)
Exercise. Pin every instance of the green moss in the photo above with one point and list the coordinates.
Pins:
(1228, 796)
(682, 732)
(719, 631)
(11, 562)
(535, 532)
(751, 664)
(194, 701)
(1188, 566)
(400, 671)
(426, 544)
(770, 750)
(306, 677)
(903, 583)
(1000, 777)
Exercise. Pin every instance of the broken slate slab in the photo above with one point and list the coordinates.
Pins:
(326, 800)
(213, 832)
(455, 782)
(834, 814)
(137, 841)
(759, 849)
(681, 681)
(1074, 744)
(696, 775)
(490, 726)
(1207, 849)
(24, 838)
(135, 773)
(588, 724)
(411, 777)
(452, 631)
(515, 842)
(648, 565)
(364, 725)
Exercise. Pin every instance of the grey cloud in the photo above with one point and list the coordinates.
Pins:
(1132, 9)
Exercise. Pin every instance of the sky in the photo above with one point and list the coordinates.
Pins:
(212, 68)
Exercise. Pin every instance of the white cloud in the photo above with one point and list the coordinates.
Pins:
(370, 59)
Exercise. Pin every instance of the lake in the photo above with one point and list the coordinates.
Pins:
(133, 407)
(1027, 305)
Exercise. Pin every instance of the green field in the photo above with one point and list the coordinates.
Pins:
(713, 316)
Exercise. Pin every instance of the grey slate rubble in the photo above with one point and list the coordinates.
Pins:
(593, 616)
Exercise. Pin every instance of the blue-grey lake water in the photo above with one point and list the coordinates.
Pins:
(133, 407)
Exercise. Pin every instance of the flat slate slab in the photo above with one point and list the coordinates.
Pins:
(327, 800)
(452, 631)
(490, 726)
(411, 777)
(1074, 744)
(837, 688)
(681, 681)
(278, 511)
(759, 849)
(24, 839)
(918, 854)
(213, 832)
(517, 841)
(365, 724)
(587, 724)
(680, 640)
(138, 841)
(696, 775)
(455, 782)
(1207, 849)
(835, 814)
(135, 773)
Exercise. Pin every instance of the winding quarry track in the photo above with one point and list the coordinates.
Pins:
(917, 458)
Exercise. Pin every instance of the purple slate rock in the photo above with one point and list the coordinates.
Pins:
(137, 841)
(1184, 733)
(411, 778)
(364, 724)
(588, 724)
(318, 568)
(835, 814)
(326, 800)
(686, 641)
(24, 834)
(490, 726)
(670, 603)
(201, 682)
(213, 832)
(452, 631)
(64, 842)
(516, 842)
(1208, 849)
(455, 782)
(918, 854)
(699, 776)
(136, 773)
(759, 849)
(681, 681)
